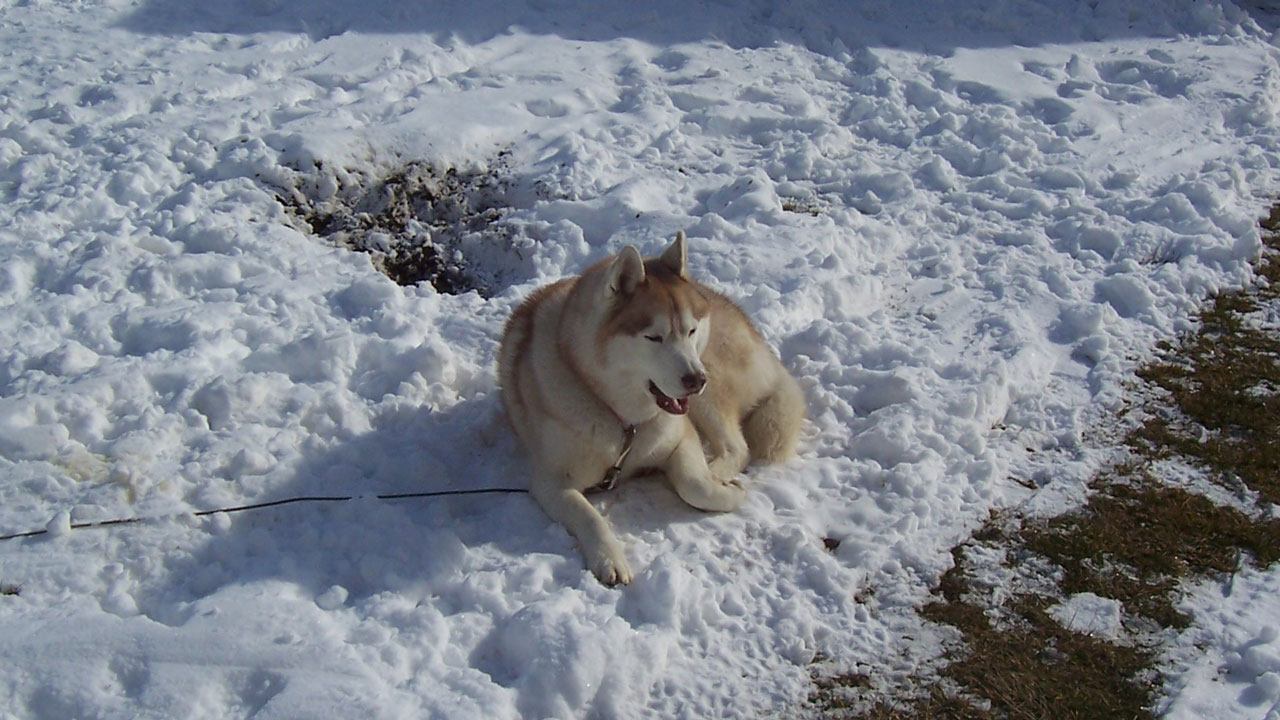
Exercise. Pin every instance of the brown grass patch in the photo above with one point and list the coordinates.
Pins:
(1137, 541)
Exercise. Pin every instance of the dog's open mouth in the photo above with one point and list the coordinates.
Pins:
(675, 406)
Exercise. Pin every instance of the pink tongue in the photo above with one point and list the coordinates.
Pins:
(672, 405)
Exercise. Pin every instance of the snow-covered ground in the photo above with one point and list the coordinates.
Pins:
(1231, 656)
(961, 224)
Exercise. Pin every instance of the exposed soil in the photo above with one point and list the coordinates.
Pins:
(412, 221)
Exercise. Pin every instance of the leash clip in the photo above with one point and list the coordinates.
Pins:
(611, 475)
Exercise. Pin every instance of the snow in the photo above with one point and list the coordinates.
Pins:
(1229, 659)
(1090, 614)
(996, 211)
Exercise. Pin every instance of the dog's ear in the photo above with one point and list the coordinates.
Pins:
(627, 271)
(676, 256)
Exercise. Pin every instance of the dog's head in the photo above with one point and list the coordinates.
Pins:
(657, 325)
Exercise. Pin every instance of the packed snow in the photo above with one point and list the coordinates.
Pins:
(1091, 614)
(961, 224)
(1231, 654)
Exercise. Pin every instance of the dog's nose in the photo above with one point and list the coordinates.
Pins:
(694, 382)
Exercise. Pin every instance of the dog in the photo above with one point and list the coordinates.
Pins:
(632, 367)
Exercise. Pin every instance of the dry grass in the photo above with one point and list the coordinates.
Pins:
(1137, 540)
(1028, 666)
(1225, 383)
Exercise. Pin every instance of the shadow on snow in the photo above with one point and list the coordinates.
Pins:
(824, 26)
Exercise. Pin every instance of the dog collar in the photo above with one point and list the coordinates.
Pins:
(611, 475)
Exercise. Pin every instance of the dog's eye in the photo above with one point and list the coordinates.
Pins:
(653, 338)
(691, 332)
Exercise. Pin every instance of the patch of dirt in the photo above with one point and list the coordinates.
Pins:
(414, 222)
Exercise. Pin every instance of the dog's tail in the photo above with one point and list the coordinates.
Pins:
(771, 428)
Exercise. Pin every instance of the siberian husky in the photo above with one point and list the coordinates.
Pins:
(631, 367)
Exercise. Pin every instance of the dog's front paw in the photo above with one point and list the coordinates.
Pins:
(724, 470)
(721, 473)
(717, 497)
(609, 565)
(735, 494)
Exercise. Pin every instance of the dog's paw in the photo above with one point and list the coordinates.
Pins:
(720, 474)
(724, 469)
(724, 476)
(737, 494)
(725, 497)
(610, 565)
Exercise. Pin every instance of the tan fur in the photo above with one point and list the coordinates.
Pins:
(578, 361)
(755, 407)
